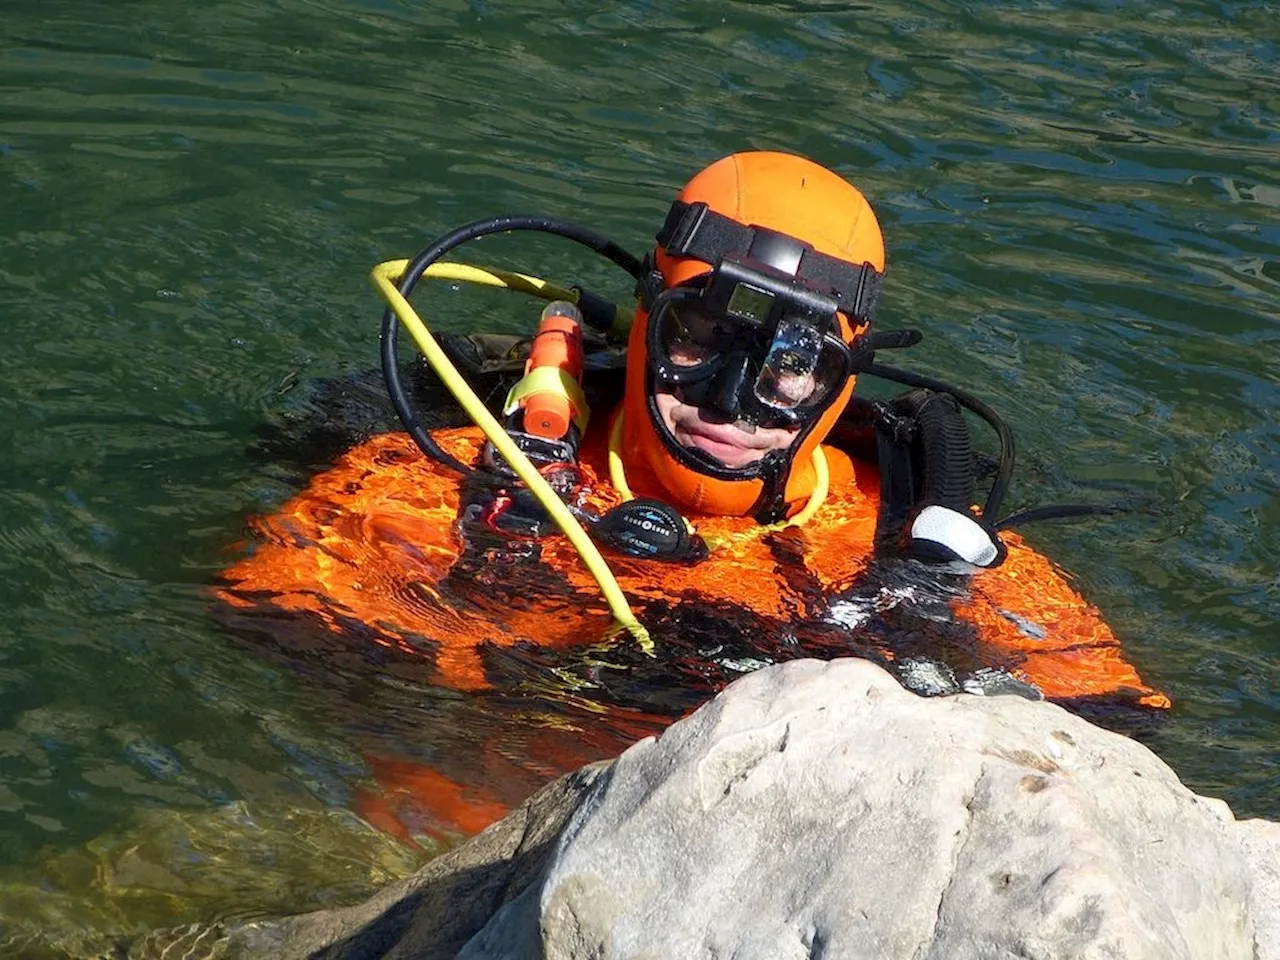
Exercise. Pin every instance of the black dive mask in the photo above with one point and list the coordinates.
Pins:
(749, 344)
(758, 338)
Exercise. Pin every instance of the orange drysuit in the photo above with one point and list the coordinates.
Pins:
(377, 540)
(381, 547)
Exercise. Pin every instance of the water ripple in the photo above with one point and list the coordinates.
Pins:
(1082, 209)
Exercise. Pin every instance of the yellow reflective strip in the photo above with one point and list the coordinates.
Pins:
(550, 380)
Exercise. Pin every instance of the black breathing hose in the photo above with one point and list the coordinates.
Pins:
(1064, 511)
(1000, 485)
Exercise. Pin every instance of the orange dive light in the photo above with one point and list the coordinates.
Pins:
(548, 412)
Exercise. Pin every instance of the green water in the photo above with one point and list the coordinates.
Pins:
(1082, 206)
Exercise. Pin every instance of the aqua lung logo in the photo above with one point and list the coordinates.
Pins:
(650, 526)
(643, 526)
(647, 529)
(649, 523)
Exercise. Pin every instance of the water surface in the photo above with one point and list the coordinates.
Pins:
(1081, 202)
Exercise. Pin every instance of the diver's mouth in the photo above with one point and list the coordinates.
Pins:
(737, 434)
(734, 444)
(730, 452)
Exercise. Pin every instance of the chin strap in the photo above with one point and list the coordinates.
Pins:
(818, 496)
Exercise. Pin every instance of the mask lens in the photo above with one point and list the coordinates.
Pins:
(800, 369)
(688, 337)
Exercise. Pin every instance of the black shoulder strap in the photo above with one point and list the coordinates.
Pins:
(895, 434)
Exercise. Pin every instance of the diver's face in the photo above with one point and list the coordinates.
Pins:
(735, 444)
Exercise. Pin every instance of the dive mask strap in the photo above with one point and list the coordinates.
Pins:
(695, 230)
(650, 282)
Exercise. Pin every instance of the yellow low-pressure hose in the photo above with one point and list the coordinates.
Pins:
(385, 276)
(617, 472)
(821, 487)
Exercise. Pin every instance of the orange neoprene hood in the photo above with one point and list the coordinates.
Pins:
(783, 193)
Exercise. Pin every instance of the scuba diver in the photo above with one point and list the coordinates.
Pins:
(737, 493)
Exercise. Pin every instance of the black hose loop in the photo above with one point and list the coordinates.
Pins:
(1063, 511)
(418, 266)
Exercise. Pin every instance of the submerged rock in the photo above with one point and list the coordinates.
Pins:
(435, 912)
(817, 809)
(169, 871)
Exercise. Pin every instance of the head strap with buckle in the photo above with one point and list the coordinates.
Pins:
(695, 230)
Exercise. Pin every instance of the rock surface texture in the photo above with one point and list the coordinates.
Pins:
(818, 810)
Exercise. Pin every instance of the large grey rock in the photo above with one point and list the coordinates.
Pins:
(819, 810)
(1261, 842)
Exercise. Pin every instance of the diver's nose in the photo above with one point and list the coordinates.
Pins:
(727, 387)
